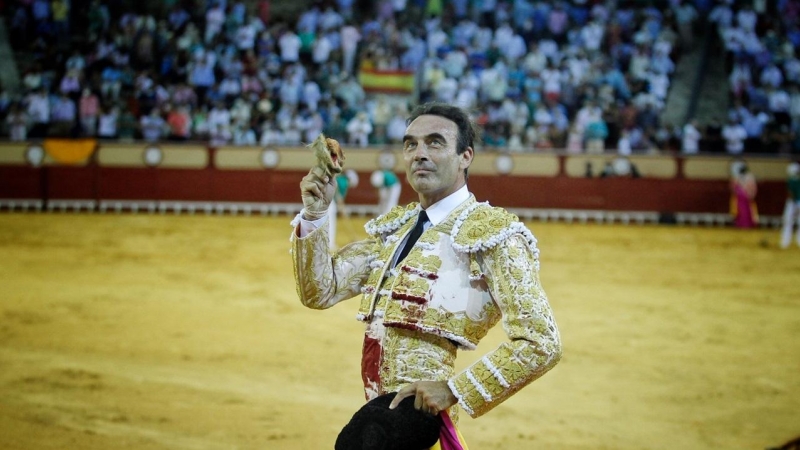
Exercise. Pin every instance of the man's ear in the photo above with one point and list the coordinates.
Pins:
(466, 158)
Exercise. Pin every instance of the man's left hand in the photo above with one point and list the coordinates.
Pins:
(429, 396)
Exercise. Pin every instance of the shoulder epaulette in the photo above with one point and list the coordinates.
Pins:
(392, 220)
(481, 227)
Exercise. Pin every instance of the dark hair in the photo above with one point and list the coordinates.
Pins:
(467, 132)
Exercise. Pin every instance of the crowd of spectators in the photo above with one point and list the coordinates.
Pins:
(582, 75)
(759, 40)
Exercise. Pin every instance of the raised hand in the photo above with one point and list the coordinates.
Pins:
(317, 189)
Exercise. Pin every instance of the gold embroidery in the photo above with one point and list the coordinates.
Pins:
(324, 279)
(534, 347)
(429, 237)
(412, 286)
(484, 224)
(411, 356)
(418, 344)
(430, 263)
(391, 221)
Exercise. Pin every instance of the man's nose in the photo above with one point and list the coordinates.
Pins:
(421, 152)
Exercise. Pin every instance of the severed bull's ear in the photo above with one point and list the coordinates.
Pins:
(329, 154)
(336, 151)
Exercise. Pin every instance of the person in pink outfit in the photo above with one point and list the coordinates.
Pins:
(89, 111)
(743, 194)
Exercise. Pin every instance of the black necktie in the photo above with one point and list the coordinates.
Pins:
(414, 235)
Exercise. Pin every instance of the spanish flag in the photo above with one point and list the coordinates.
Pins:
(386, 81)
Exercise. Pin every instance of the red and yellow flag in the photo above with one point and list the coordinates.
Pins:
(70, 151)
(386, 81)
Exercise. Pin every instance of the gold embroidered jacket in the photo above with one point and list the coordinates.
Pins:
(462, 276)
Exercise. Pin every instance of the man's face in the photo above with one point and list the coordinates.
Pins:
(433, 168)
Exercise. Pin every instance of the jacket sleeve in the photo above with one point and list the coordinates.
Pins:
(534, 345)
(324, 278)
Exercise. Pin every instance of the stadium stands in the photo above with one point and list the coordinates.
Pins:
(568, 75)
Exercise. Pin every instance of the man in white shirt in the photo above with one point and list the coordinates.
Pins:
(396, 127)
(330, 19)
(592, 36)
(309, 20)
(771, 75)
(219, 115)
(107, 123)
(690, 137)
(433, 276)
(747, 18)
(535, 60)
(350, 39)
(38, 109)
(246, 37)
(215, 18)
(779, 102)
(455, 62)
(290, 45)
(152, 126)
(311, 94)
(722, 16)
(321, 50)
(359, 128)
(734, 134)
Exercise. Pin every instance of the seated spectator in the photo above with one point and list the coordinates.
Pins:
(88, 111)
(33, 78)
(152, 126)
(243, 135)
(575, 139)
(690, 138)
(219, 136)
(179, 123)
(624, 147)
(313, 125)
(63, 117)
(200, 127)
(17, 121)
(270, 135)
(128, 126)
(396, 128)
(241, 112)
(596, 133)
(359, 128)
(734, 134)
(219, 115)
(111, 82)
(107, 122)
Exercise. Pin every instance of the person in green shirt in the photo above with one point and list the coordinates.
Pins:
(388, 186)
(128, 125)
(791, 213)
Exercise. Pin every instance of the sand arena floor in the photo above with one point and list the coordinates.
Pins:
(184, 332)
